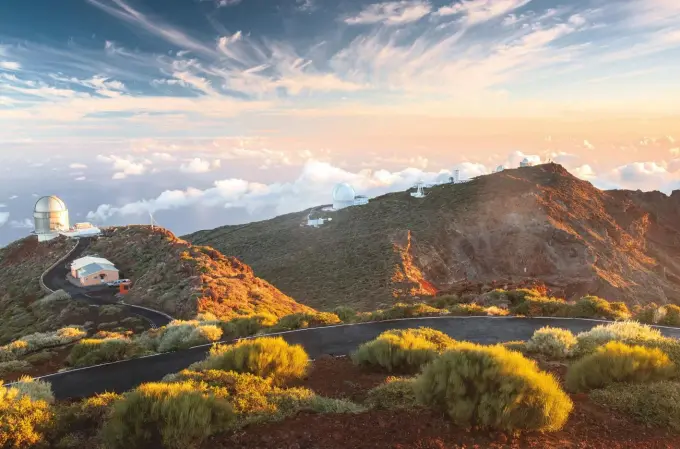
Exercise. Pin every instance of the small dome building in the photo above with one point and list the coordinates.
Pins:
(526, 163)
(343, 196)
(51, 217)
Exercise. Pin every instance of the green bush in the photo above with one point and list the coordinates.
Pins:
(14, 366)
(40, 340)
(23, 420)
(178, 415)
(446, 301)
(185, 334)
(618, 362)
(92, 351)
(247, 326)
(540, 306)
(653, 404)
(594, 307)
(77, 425)
(672, 317)
(467, 310)
(625, 331)
(36, 389)
(401, 310)
(395, 393)
(490, 386)
(346, 314)
(402, 350)
(552, 342)
(304, 320)
(265, 357)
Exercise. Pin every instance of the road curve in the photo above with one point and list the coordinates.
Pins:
(333, 340)
(55, 279)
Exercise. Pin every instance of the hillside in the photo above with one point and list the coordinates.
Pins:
(21, 264)
(521, 224)
(183, 280)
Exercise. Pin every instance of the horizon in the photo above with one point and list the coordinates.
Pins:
(210, 113)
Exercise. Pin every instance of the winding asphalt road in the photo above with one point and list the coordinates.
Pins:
(55, 279)
(333, 340)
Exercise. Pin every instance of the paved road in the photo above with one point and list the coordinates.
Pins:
(55, 279)
(336, 340)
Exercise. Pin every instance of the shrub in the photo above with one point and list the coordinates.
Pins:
(552, 342)
(346, 314)
(401, 310)
(24, 420)
(467, 310)
(265, 357)
(395, 393)
(185, 334)
(672, 317)
(37, 390)
(247, 326)
(625, 331)
(304, 320)
(14, 366)
(93, 351)
(594, 307)
(489, 386)
(618, 362)
(446, 301)
(540, 306)
(402, 350)
(656, 403)
(180, 415)
(517, 346)
(77, 425)
(320, 404)
(40, 340)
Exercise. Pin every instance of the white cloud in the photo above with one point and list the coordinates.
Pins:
(585, 172)
(4, 216)
(125, 166)
(13, 197)
(391, 13)
(9, 65)
(198, 165)
(223, 3)
(26, 223)
(588, 145)
(305, 5)
(77, 166)
(516, 157)
(675, 151)
(312, 188)
(164, 157)
(80, 178)
(478, 11)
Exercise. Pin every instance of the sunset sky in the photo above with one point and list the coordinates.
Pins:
(212, 112)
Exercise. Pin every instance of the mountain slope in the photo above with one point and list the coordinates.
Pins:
(529, 223)
(183, 280)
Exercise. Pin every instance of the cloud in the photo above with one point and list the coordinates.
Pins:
(223, 3)
(78, 166)
(26, 223)
(80, 178)
(125, 166)
(164, 157)
(478, 11)
(675, 151)
(198, 165)
(13, 197)
(391, 13)
(584, 172)
(588, 145)
(9, 65)
(516, 157)
(305, 5)
(4, 216)
(313, 187)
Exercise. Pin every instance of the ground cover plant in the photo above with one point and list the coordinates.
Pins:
(402, 350)
(490, 386)
(618, 362)
(553, 342)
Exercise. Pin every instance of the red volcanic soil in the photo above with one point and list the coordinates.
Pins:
(590, 425)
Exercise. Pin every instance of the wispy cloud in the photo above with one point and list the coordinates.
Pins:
(26, 223)
(9, 65)
(198, 165)
(391, 13)
(77, 166)
(478, 11)
(4, 216)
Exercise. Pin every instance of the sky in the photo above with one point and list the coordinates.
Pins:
(214, 112)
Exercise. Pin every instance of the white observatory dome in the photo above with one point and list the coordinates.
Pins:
(343, 196)
(51, 216)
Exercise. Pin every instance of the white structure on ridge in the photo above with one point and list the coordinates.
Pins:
(526, 163)
(419, 193)
(345, 196)
(82, 230)
(51, 217)
(499, 169)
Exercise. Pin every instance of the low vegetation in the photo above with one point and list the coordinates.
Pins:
(269, 357)
(668, 315)
(395, 393)
(653, 404)
(39, 341)
(305, 320)
(552, 342)
(94, 351)
(25, 414)
(535, 304)
(180, 415)
(618, 362)
(402, 350)
(503, 390)
(625, 332)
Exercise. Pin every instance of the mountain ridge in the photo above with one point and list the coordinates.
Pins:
(529, 223)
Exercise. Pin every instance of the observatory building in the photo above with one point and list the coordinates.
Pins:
(51, 217)
(345, 196)
(526, 163)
